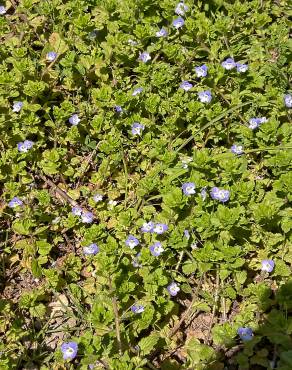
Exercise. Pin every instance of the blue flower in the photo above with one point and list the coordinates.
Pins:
(93, 34)
(132, 242)
(24, 147)
(194, 246)
(185, 85)
(69, 350)
(185, 162)
(256, 122)
(160, 228)
(118, 109)
(137, 308)
(178, 22)
(245, 334)
(77, 211)
(220, 194)
(144, 57)
(17, 106)
(205, 96)
(188, 188)
(156, 249)
(288, 100)
(2, 10)
(173, 289)
(91, 249)
(137, 91)
(241, 67)
(201, 71)
(132, 42)
(87, 217)
(181, 8)
(135, 261)
(187, 234)
(112, 203)
(268, 265)
(161, 33)
(15, 202)
(98, 198)
(237, 149)
(51, 56)
(228, 63)
(203, 194)
(74, 119)
(137, 128)
(147, 227)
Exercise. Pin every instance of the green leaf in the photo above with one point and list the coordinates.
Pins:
(36, 269)
(57, 43)
(148, 344)
(22, 227)
(173, 198)
(44, 247)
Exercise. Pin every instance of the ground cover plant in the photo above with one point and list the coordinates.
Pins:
(146, 151)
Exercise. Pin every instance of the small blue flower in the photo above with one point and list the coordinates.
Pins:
(185, 162)
(98, 198)
(156, 249)
(228, 63)
(87, 217)
(91, 249)
(77, 211)
(201, 71)
(132, 42)
(137, 128)
(144, 57)
(256, 122)
(185, 85)
(220, 194)
(181, 8)
(161, 33)
(241, 67)
(194, 246)
(118, 109)
(237, 149)
(137, 308)
(112, 203)
(135, 261)
(288, 100)
(69, 350)
(263, 120)
(24, 147)
(173, 289)
(74, 119)
(132, 242)
(51, 56)
(203, 194)
(147, 227)
(137, 91)
(93, 34)
(188, 188)
(15, 202)
(187, 234)
(205, 96)
(2, 10)
(245, 334)
(17, 106)
(160, 228)
(178, 22)
(268, 265)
